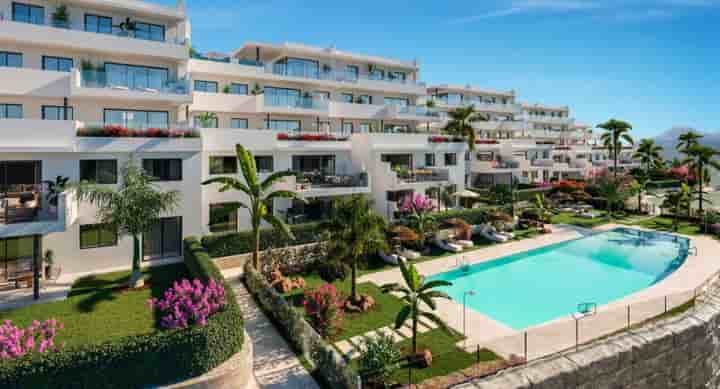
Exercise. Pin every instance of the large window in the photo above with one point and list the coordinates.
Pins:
(136, 77)
(12, 60)
(98, 24)
(352, 72)
(397, 76)
(297, 67)
(264, 163)
(282, 96)
(283, 125)
(11, 111)
(151, 32)
(97, 235)
(238, 89)
(223, 165)
(28, 13)
(206, 86)
(164, 239)
(223, 218)
(58, 64)
(450, 159)
(57, 112)
(348, 98)
(164, 169)
(136, 119)
(17, 249)
(365, 99)
(99, 171)
(238, 123)
(399, 101)
(348, 128)
(429, 159)
(314, 164)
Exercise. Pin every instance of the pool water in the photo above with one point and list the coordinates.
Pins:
(540, 285)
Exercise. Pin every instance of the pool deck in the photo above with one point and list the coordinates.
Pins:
(560, 334)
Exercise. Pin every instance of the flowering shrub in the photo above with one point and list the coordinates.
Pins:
(310, 137)
(324, 309)
(568, 186)
(38, 337)
(113, 131)
(682, 173)
(188, 303)
(417, 203)
(445, 139)
(486, 142)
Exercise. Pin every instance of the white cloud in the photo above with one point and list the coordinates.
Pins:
(529, 6)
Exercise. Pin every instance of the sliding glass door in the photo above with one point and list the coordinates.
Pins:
(164, 239)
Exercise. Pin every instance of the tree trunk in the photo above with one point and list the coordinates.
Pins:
(640, 202)
(256, 250)
(136, 280)
(700, 188)
(414, 331)
(615, 163)
(353, 282)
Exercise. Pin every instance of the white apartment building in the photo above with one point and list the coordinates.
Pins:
(86, 85)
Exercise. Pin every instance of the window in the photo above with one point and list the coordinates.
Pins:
(206, 86)
(429, 159)
(486, 156)
(99, 171)
(365, 128)
(297, 67)
(16, 249)
(11, 111)
(352, 72)
(56, 112)
(348, 128)
(397, 76)
(399, 101)
(238, 123)
(238, 89)
(28, 13)
(164, 239)
(283, 125)
(377, 74)
(98, 24)
(164, 169)
(12, 60)
(365, 99)
(223, 217)
(282, 96)
(151, 32)
(208, 122)
(321, 95)
(450, 159)
(264, 163)
(314, 163)
(57, 64)
(348, 97)
(136, 77)
(396, 128)
(223, 165)
(136, 119)
(97, 235)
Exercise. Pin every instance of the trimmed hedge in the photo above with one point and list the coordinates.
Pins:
(241, 242)
(158, 358)
(328, 362)
(471, 216)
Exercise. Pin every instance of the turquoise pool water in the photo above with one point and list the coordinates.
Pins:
(540, 285)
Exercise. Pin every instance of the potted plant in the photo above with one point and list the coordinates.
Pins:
(55, 188)
(127, 26)
(49, 260)
(61, 18)
(256, 90)
(226, 89)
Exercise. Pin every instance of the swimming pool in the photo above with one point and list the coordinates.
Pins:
(540, 285)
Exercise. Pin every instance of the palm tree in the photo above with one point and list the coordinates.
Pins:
(616, 131)
(688, 139)
(415, 291)
(676, 202)
(132, 209)
(207, 119)
(460, 123)
(259, 197)
(649, 154)
(701, 158)
(355, 232)
(639, 186)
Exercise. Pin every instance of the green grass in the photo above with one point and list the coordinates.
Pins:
(447, 357)
(662, 223)
(95, 312)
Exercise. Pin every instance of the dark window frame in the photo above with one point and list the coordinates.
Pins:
(228, 219)
(58, 59)
(4, 108)
(29, 6)
(105, 115)
(265, 157)
(60, 108)
(98, 229)
(206, 83)
(161, 169)
(7, 54)
(237, 84)
(224, 165)
(233, 120)
(452, 160)
(430, 160)
(96, 171)
(150, 26)
(99, 18)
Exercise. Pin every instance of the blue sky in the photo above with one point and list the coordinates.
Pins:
(653, 63)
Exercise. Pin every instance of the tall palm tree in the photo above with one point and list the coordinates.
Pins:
(259, 197)
(701, 158)
(616, 132)
(460, 123)
(415, 292)
(688, 139)
(649, 154)
(355, 232)
(676, 202)
(639, 186)
(132, 208)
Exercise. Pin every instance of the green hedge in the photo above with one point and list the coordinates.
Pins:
(471, 216)
(158, 358)
(241, 242)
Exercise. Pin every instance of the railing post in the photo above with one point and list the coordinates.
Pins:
(666, 303)
(525, 346)
(628, 316)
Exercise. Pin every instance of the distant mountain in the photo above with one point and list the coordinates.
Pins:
(668, 140)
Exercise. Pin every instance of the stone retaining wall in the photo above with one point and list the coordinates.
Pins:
(679, 352)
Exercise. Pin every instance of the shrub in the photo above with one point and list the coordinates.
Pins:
(470, 216)
(378, 358)
(324, 309)
(189, 303)
(332, 271)
(39, 337)
(241, 242)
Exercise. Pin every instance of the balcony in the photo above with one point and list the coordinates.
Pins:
(414, 112)
(358, 111)
(422, 175)
(542, 162)
(226, 102)
(499, 125)
(102, 85)
(295, 105)
(319, 184)
(482, 106)
(34, 82)
(32, 210)
(35, 135)
(564, 121)
(73, 37)
(133, 137)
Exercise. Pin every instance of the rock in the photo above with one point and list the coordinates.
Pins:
(364, 304)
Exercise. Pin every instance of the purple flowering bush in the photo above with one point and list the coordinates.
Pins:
(189, 302)
(39, 337)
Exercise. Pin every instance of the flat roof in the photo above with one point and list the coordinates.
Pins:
(545, 106)
(472, 89)
(143, 8)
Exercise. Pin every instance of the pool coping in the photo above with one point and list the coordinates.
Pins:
(484, 331)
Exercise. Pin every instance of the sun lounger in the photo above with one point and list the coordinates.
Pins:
(447, 246)
(410, 254)
(491, 234)
(465, 243)
(392, 259)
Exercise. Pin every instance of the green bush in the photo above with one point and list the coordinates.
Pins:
(158, 358)
(241, 242)
(471, 216)
(332, 271)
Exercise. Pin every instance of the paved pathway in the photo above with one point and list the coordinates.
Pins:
(274, 363)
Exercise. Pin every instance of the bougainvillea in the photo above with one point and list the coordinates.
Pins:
(324, 309)
(115, 131)
(39, 337)
(189, 302)
(682, 173)
(568, 186)
(417, 203)
(310, 137)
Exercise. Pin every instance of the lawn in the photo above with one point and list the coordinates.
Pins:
(662, 223)
(95, 311)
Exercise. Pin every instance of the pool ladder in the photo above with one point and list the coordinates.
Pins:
(462, 264)
(587, 308)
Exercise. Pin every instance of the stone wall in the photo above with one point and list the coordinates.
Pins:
(678, 352)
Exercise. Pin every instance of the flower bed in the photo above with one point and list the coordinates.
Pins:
(311, 137)
(486, 142)
(113, 131)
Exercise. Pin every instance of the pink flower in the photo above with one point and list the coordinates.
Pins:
(187, 303)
